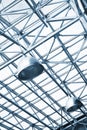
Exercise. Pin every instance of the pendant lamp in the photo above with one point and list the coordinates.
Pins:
(73, 104)
(29, 68)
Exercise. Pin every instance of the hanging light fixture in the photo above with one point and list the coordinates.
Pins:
(29, 68)
(73, 104)
(79, 126)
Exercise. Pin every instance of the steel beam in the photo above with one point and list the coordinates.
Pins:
(72, 61)
(37, 44)
(25, 111)
(20, 117)
(27, 102)
(10, 123)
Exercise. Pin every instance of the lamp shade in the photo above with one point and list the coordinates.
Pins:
(79, 126)
(73, 104)
(29, 68)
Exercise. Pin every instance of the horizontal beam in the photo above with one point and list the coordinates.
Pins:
(27, 102)
(15, 104)
(10, 123)
(20, 117)
(6, 127)
(37, 44)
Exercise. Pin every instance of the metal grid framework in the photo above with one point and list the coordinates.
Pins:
(54, 32)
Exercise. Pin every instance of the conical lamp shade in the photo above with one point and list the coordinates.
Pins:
(29, 68)
(73, 104)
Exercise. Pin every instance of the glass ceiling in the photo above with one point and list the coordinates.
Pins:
(55, 33)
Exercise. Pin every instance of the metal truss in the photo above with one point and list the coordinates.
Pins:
(55, 33)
